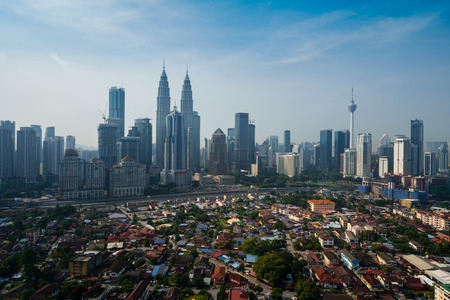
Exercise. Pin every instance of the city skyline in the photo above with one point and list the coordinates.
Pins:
(291, 64)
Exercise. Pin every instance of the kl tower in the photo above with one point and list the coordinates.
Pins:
(351, 108)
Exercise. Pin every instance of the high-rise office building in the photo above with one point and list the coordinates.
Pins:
(70, 142)
(230, 148)
(326, 144)
(429, 166)
(387, 150)
(107, 144)
(38, 130)
(350, 162)
(364, 155)
(163, 109)
(443, 158)
(53, 152)
(175, 151)
(273, 141)
(192, 126)
(130, 146)
(218, 157)
(6, 152)
(287, 141)
(11, 126)
(175, 146)
(144, 128)
(241, 149)
(252, 143)
(117, 110)
(27, 160)
(417, 147)
(402, 155)
(341, 142)
(351, 108)
(50, 132)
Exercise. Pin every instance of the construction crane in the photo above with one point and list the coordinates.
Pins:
(372, 174)
(103, 113)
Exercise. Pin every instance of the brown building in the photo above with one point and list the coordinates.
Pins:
(321, 205)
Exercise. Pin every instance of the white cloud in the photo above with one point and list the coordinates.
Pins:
(62, 63)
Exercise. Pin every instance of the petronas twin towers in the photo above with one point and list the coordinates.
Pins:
(177, 134)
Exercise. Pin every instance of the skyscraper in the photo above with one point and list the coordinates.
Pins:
(241, 149)
(402, 155)
(27, 160)
(53, 153)
(364, 155)
(6, 152)
(273, 141)
(130, 146)
(11, 126)
(218, 158)
(107, 144)
(287, 141)
(175, 151)
(50, 132)
(326, 143)
(429, 167)
(341, 142)
(251, 143)
(117, 110)
(351, 108)
(443, 158)
(70, 142)
(175, 145)
(38, 130)
(192, 126)
(144, 128)
(163, 109)
(231, 141)
(417, 146)
(350, 162)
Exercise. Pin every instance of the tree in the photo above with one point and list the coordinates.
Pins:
(277, 293)
(307, 290)
(27, 260)
(198, 282)
(271, 267)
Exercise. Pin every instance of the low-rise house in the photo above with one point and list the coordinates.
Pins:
(349, 259)
(219, 275)
(329, 258)
(351, 238)
(325, 240)
(385, 259)
(416, 246)
(45, 292)
(141, 291)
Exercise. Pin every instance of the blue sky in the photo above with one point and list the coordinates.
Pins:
(290, 65)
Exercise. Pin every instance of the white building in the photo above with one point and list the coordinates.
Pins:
(350, 162)
(364, 155)
(402, 156)
(383, 166)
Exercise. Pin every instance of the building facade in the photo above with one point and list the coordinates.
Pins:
(364, 155)
(27, 160)
(163, 109)
(117, 110)
(107, 144)
(326, 143)
(218, 157)
(402, 156)
(127, 178)
(241, 149)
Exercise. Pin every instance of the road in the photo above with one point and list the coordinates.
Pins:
(161, 198)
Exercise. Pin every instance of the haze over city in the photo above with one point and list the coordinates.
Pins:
(290, 66)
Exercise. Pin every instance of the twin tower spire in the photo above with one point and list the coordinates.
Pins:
(191, 122)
